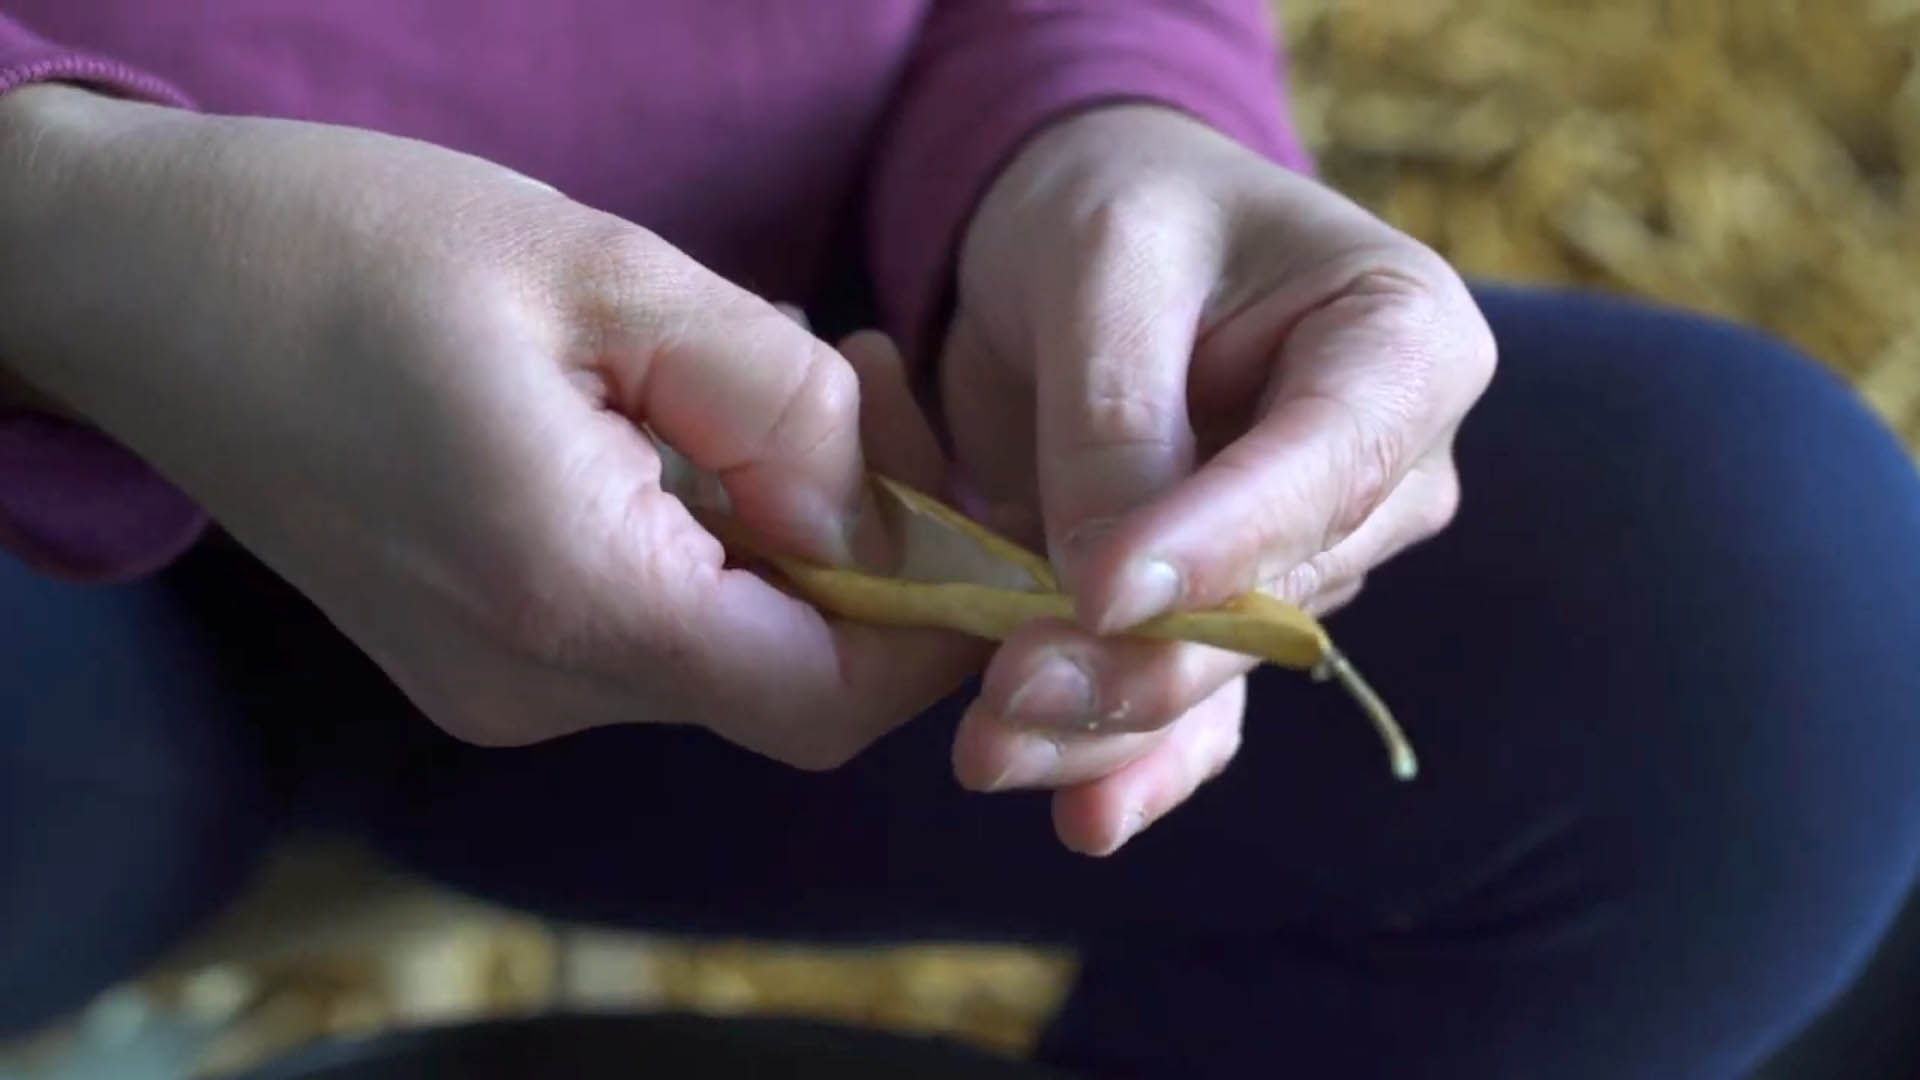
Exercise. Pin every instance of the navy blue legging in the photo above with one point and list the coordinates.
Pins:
(1662, 672)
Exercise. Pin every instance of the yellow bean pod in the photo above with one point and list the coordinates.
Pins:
(954, 574)
(1254, 625)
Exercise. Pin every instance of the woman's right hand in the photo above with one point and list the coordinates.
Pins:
(412, 382)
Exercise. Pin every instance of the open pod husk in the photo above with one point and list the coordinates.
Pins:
(956, 575)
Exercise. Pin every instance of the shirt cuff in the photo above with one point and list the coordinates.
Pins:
(25, 59)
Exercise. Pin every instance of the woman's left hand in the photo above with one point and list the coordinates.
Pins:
(1191, 373)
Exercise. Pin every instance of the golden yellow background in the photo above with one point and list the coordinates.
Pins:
(1757, 159)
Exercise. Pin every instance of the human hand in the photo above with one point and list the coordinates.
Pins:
(1193, 374)
(412, 382)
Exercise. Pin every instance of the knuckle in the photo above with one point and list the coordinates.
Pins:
(1123, 242)
(1404, 308)
(612, 269)
(819, 402)
(617, 254)
(1402, 288)
(1424, 298)
(1122, 222)
(1433, 353)
(1127, 416)
(611, 264)
(1403, 268)
(829, 393)
(1374, 452)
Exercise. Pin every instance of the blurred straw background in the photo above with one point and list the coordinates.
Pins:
(1755, 159)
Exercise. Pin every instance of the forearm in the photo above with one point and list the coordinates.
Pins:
(29, 163)
(38, 74)
(66, 151)
(73, 501)
(16, 394)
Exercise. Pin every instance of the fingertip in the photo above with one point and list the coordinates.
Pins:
(1163, 560)
(1085, 822)
(873, 356)
(976, 765)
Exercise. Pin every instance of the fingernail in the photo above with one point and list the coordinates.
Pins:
(1033, 762)
(1058, 692)
(1147, 590)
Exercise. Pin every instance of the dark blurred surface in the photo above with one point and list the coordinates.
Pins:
(584, 1047)
(1873, 1031)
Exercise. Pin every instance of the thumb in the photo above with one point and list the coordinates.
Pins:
(1111, 379)
(744, 392)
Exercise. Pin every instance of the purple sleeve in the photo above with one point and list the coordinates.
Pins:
(73, 503)
(989, 73)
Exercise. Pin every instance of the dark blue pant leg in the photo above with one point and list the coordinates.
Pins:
(132, 801)
(1665, 673)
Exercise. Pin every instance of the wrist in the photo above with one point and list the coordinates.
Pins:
(48, 132)
(43, 130)
(22, 116)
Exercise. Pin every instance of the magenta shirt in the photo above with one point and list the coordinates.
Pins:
(751, 133)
